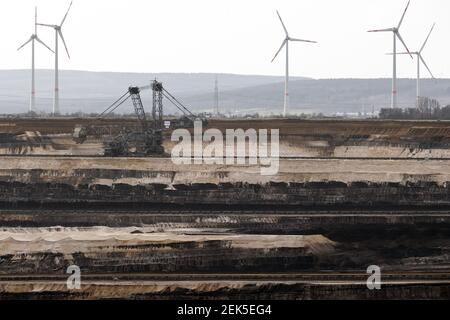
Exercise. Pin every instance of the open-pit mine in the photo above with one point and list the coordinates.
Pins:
(347, 195)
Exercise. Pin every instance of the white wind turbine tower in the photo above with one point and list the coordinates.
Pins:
(58, 33)
(34, 37)
(396, 33)
(421, 59)
(286, 43)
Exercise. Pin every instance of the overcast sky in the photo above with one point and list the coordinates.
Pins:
(228, 36)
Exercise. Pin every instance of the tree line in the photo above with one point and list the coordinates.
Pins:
(427, 109)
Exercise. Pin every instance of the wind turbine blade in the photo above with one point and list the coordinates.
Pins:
(425, 64)
(41, 42)
(426, 40)
(382, 30)
(301, 40)
(46, 25)
(404, 13)
(64, 42)
(64, 19)
(404, 44)
(35, 20)
(284, 27)
(390, 54)
(282, 45)
(28, 41)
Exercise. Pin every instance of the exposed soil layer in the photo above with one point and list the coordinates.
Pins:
(146, 228)
(264, 290)
(139, 263)
(331, 195)
(151, 181)
(298, 138)
(331, 127)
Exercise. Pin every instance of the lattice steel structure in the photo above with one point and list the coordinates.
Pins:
(138, 107)
(157, 110)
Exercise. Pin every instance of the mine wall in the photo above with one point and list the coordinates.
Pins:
(298, 138)
(198, 256)
(33, 143)
(254, 220)
(144, 252)
(149, 218)
(314, 194)
(330, 127)
(223, 291)
(147, 182)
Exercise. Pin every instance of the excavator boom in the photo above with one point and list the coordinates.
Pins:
(138, 107)
(148, 140)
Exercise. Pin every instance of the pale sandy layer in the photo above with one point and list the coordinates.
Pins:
(163, 170)
(69, 240)
(63, 145)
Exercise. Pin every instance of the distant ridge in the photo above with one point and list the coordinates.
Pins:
(93, 91)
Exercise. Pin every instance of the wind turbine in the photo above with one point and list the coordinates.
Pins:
(396, 33)
(34, 37)
(286, 43)
(421, 59)
(58, 33)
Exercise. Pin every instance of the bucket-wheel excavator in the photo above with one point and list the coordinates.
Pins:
(147, 138)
